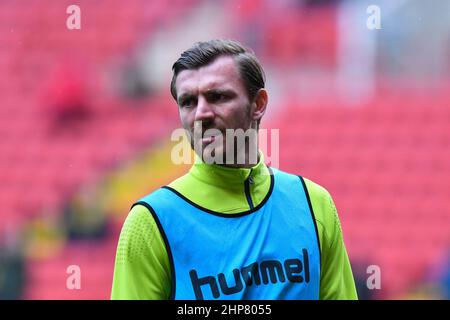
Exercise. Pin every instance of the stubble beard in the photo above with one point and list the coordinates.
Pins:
(234, 148)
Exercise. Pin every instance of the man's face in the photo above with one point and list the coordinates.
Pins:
(215, 97)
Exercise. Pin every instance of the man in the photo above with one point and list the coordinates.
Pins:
(231, 228)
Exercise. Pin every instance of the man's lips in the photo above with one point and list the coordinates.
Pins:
(208, 140)
(207, 137)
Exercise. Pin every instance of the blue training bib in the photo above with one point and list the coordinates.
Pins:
(269, 253)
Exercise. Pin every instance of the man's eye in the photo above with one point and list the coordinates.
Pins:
(217, 97)
(187, 103)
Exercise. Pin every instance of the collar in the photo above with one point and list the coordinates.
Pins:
(228, 177)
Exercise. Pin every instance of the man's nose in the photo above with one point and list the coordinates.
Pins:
(204, 111)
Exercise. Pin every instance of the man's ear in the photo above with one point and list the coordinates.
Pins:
(260, 102)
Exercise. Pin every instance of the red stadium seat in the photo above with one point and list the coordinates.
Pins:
(387, 168)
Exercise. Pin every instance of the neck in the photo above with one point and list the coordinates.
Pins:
(230, 176)
(248, 163)
(247, 158)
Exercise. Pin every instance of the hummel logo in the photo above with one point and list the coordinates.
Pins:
(254, 274)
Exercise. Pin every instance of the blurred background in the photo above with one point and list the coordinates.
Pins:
(86, 117)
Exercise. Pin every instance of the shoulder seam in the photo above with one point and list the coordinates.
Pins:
(305, 188)
(325, 197)
(166, 242)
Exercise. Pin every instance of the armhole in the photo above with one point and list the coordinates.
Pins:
(166, 243)
(313, 217)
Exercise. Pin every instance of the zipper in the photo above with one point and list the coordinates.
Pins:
(247, 184)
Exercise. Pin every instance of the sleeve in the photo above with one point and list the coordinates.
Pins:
(142, 268)
(336, 281)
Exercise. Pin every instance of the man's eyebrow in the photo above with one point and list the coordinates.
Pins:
(187, 95)
(221, 91)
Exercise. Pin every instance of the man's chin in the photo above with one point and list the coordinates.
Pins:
(213, 155)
